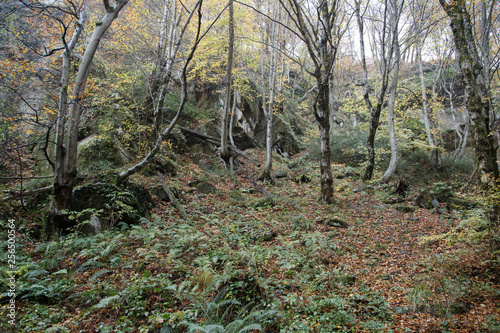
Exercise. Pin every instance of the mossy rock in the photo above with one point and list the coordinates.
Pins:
(110, 203)
(269, 236)
(205, 188)
(236, 195)
(303, 178)
(280, 173)
(263, 203)
(404, 208)
(347, 280)
(424, 199)
(336, 223)
(460, 204)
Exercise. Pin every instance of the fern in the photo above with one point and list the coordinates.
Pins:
(99, 273)
(103, 303)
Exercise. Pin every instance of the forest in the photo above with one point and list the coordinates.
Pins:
(195, 166)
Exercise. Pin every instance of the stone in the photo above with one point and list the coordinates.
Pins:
(205, 188)
(269, 236)
(264, 203)
(280, 173)
(404, 209)
(160, 193)
(336, 223)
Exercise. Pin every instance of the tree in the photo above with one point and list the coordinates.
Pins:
(224, 151)
(159, 140)
(270, 84)
(319, 25)
(384, 38)
(396, 9)
(421, 15)
(67, 129)
(478, 104)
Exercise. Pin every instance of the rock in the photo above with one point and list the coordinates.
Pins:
(168, 167)
(160, 193)
(333, 209)
(280, 173)
(347, 280)
(93, 227)
(404, 209)
(236, 195)
(269, 236)
(264, 203)
(336, 223)
(459, 204)
(112, 204)
(435, 204)
(303, 178)
(205, 188)
(424, 199)
(194, 183)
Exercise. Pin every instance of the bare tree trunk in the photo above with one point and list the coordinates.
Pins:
(63, 194)
(269, 109)
(385, 54)
(224, 152)
(233, 114)
(66, 171)
(391, 169)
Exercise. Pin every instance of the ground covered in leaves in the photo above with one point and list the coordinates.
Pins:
(247, 262)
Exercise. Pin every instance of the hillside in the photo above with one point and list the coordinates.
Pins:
(246, 262)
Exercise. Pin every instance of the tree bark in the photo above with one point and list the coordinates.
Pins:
(384, 69)
(392, 97)
(224, 151)
(269, 109)
(66, 171)
(477, 100)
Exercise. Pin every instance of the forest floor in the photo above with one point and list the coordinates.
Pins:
(362, 264)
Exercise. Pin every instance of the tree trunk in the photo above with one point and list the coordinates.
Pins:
(269, 109)
(66, 170)
(477, 99)
(323, 118)
(224, 151)
(392, 99)
(384, 69)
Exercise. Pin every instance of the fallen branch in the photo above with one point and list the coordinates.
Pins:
(17, 194)
(260, 188)
(172, 198)
(472, 177)
(38, 177)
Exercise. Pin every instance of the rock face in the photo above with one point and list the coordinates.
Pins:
(249, 129)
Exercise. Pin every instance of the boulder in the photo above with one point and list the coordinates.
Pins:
(280, 173)
(110, 204)
(336, 223)
(205, 188)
